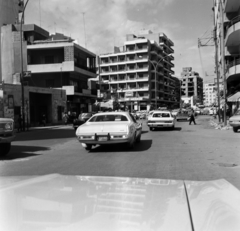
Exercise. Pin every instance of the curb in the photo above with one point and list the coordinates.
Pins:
(219, 126)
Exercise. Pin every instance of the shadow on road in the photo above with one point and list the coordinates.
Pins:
(139, 147)
(167, 129)
(19, 152)
(46, 134)
(144, 132)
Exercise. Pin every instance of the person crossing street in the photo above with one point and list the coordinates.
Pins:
(192, 117)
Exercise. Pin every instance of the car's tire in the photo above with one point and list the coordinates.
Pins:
(5, 148)
(150, 129)
(235, 129)
(88, 147)
(138, 140)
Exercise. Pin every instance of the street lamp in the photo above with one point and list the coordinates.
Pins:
(155, 68)
(22, 83)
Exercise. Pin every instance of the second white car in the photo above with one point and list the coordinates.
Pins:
(161, 119)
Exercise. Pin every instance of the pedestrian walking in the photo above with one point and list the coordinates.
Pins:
(192, 117)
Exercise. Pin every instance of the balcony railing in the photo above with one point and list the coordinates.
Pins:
(234, 21)
(234, 63)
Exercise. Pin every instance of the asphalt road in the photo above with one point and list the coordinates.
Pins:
(196, 152)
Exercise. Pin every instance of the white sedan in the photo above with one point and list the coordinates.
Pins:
(161, 119)
(109, 128)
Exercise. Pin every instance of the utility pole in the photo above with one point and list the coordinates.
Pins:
(217, 66)
(223, 61)
(21, 76)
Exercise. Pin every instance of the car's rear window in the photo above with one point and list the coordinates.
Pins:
(160, 115)
(108, 118)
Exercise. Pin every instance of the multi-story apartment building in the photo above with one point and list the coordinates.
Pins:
(9, 11)
(210, 94)
(228, 12)
(55, 62)
(192, 85)
(140, 72)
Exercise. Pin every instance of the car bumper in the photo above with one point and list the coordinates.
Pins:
(234, 124)
(6, 138)
(155, 125)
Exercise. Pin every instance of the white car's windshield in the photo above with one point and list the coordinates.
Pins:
(108, 118)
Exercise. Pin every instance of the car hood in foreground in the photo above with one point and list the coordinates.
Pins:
(57, 202)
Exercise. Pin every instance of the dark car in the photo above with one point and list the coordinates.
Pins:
(82, 118)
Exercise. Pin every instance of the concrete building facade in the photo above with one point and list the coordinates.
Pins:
(9, 14)
(140, 72)
(54, 62)
(192, 85)
(228, 12)
(210, 94)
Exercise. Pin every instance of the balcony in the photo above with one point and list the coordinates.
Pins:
(73, 90)
(233, 32)
(60, 67)
(233, 70)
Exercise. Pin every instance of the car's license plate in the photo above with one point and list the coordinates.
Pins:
(104, 138)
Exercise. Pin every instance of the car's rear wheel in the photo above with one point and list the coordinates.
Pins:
(235, 129)
(150, 128)
(88, 147)
(5, 148)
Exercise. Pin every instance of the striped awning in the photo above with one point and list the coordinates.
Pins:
(234, 98)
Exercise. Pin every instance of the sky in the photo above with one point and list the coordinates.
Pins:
(99, 25)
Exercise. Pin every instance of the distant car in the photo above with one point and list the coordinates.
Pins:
(110, 128)
(175, 112)
(160, 119)
(82, 118)
(182, 115)
(7, 135)
(234, 121)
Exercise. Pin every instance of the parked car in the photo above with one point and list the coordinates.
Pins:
(90, 203)
(82, 118)
(234, 121)
(109, 128)
(182, 115)
(7, 135)
(175, 112)
(161, 119)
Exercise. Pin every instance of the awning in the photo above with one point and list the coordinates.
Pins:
(234, 98)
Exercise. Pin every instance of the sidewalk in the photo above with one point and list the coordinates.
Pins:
(47, 127)
(214, 122)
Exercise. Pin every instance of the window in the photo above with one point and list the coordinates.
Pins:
(49, 59)
(50, 83)
(108, 118)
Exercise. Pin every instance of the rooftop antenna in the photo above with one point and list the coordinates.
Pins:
(83, 13)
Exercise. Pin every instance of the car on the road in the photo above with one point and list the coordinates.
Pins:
(175, 112)
(182, 115)
(94, 203)
(7, 135)
(110, 128)
(160, 119)
(234, 121)
(82, 118)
